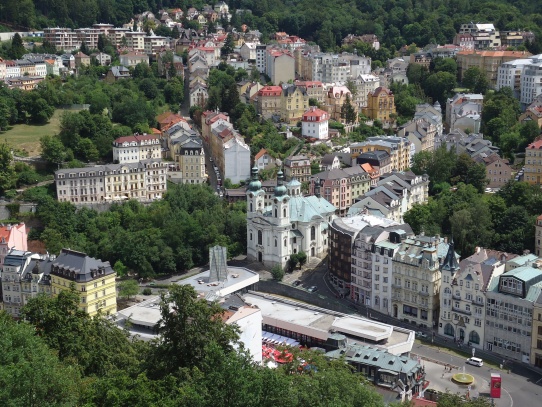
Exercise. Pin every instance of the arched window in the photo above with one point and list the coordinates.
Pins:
(251, 207)
(313, 233)
(251, 236)
(449, 330)
(260, 239)
(284, 212)
(447, 290)
(457, 294)
(276, 213)
(275, 242)
(285, 243)
(474, 337)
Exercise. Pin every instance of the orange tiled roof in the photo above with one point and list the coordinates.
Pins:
(260, 154)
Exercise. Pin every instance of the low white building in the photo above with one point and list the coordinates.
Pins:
(314, 124)
(135, 148)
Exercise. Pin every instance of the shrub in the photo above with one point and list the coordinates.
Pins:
(147, 291)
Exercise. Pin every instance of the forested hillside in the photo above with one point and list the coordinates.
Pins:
(396, 22)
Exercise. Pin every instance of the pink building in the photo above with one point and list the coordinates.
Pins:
(12, 237)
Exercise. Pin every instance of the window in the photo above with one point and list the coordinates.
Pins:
(449, 330)
(474, 337)
(260, 238)
(313, 233)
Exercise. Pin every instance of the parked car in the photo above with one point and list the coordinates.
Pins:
(475, 362)
(312, 289)
(421, 334)
(296, 283)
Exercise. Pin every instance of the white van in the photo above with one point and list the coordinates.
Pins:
(475, 362)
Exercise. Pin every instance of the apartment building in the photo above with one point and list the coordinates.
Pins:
(509, 312)
(142, 181)
(117, 36)
(294, 103)
(399, 149)
(372, 265)
(333, 68)
(337, 96)
(280, 66)
(463, 299)
(498, 169)
(135, 148)
(132, 59)
(380, 105)
(488, 62)
(393, 195)
(536, 336)
(464, 112)
(22, 279)
(421, 133)
(533, 162)
(484, 36)
(298, 167)
(12, 237)
(94, 280)
(314, 124)
(340, 186)
(417, 279)
(509, 74)
(64, 39)
(365, 84)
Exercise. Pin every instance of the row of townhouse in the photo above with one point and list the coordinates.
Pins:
(25, 275)
(144, 181)
(200, 60)
(226, 146)
(424, 128)
(490, 300)
(523, 76)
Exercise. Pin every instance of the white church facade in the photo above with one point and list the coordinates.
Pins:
(291, 224)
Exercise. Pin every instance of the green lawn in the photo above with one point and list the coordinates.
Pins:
(27, 137)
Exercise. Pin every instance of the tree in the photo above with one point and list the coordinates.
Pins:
(102, 42)
(302, 257)
(293, 261)
(52, 150)
(227, 48)
(348, 113)
(128, 288)
(476, 80)
(120, 268)
(277, 272)
(39, 110)
(17, 49)
(439, 86)
(184, 317)
(25, 359)
(84, 48)
(7, 173)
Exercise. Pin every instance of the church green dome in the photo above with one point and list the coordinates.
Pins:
(280, 189)
(254, 184)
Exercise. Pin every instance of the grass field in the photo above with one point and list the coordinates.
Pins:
(27, 137)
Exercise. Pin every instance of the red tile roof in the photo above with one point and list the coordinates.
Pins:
(535, 145)
(315, 112)
(260, 154)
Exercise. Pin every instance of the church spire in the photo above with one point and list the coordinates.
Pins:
(450, 262)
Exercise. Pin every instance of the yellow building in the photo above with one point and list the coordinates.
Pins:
(488, 62)
(94, 281)
(533, 163)
(380, 105)
(397, 147)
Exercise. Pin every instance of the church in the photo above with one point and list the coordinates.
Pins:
(291, 224)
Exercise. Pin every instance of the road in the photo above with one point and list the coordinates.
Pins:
(519, 390)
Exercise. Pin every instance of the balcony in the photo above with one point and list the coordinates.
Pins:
(424, 294)
(396, 286)
(461, 311)
(480, 303)
(456, 297)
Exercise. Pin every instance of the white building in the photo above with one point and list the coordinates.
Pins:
(135, 148)
(22, 279)
(463, 111)
(531, 83)
(144, 316)
(462, 295)
(365, 83)
(236, 160)
(314, 124)
(143, 181)
(509, 75)
(292, 224)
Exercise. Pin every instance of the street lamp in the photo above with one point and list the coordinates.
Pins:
(473, 351)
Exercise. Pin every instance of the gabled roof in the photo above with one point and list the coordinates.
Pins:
(260, 154)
